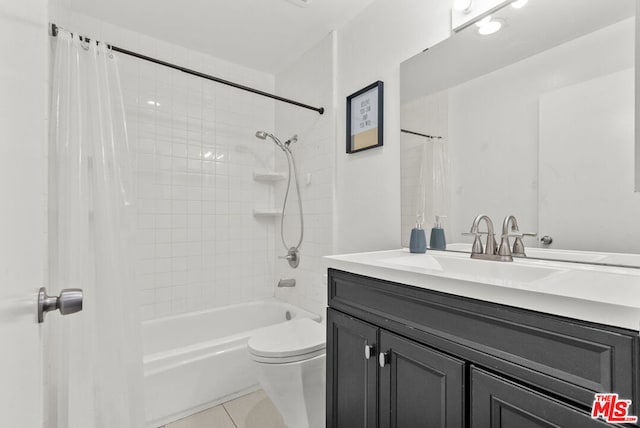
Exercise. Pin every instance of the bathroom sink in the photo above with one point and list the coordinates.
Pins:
(463, 267)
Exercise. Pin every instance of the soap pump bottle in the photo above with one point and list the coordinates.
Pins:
(437, 240)
(418, 241)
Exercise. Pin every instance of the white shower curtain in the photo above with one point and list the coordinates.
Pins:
(95, 367)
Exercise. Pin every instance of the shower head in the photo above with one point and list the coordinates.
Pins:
(263, 136)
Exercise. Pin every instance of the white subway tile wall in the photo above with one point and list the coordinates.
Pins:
(198, 243)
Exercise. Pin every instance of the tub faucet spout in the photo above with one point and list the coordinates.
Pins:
(287, 282)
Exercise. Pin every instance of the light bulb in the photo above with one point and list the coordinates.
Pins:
(488, 26)
(484, 21)
(463, 5)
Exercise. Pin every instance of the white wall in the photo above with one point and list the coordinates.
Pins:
(371, 47)
(23, 172)
(494, 135)
(311, 80)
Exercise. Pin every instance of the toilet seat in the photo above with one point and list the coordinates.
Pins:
(288, 342)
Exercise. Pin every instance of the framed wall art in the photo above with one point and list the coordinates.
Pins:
(364, 118)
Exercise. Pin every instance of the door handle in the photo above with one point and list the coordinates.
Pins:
(383, 359)
(68, 302)
(369, 350)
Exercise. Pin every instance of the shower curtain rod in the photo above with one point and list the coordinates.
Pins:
(432, 137)
(320, 110)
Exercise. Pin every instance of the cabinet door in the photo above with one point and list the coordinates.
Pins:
(499, 403)
(419, 387)
(352, 378)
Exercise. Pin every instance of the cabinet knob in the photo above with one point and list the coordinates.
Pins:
(383, 359)
(369, 350)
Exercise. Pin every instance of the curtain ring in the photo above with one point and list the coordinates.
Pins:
(84, 43)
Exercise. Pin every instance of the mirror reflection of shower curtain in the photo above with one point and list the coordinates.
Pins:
(440, 180)
(432, 193)
(93, 359)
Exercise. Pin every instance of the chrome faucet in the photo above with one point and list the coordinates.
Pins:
(490, 250)
(518, 245)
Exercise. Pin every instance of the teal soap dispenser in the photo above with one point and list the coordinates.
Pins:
(418, 241)
(437, 240)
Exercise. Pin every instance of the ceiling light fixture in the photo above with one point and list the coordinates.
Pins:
(519, 4)
(464, 6)
(488, 26)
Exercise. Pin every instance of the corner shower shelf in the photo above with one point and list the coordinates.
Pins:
(267, 212)
(269, 177)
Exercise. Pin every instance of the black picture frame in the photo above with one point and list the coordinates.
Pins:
(371, 136)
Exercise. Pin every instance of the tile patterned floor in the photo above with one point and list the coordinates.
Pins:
(254, 410)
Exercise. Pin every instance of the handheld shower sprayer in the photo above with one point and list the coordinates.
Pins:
(263, 136)
(292, 252)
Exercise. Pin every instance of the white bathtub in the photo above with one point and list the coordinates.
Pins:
(197, 360)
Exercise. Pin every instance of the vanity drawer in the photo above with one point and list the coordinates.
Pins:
(569, 358)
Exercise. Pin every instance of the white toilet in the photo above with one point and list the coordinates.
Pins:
(291, 366)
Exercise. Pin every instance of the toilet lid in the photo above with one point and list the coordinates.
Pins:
(292, 338)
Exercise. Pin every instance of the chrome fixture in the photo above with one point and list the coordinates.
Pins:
(293, 256)
(491, 249)
(491, 252)
(518, 245)
(369, 351)
(546, 240)
(68, 302)
(384, 358)
(287, 282)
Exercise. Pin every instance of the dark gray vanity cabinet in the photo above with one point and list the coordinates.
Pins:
(379, 379)
(353, 401)
(436, 359)
(418, 386)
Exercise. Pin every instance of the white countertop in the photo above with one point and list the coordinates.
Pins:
(600, 294)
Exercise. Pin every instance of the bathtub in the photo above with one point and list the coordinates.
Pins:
(198, 360)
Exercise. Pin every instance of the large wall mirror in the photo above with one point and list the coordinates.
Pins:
(536, 120)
